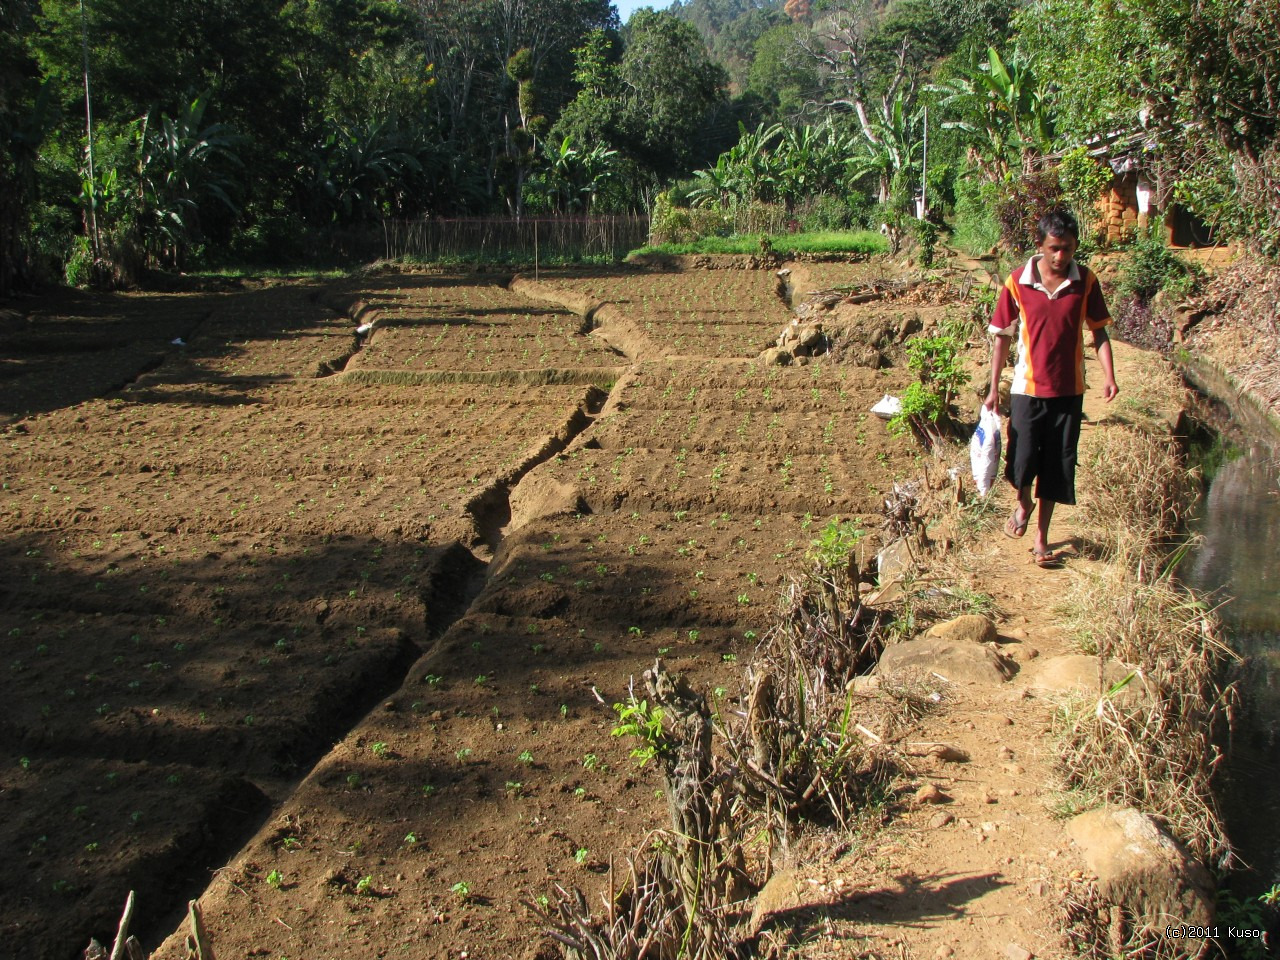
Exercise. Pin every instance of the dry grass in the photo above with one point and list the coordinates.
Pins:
(1238, 329)
(1102, 930)
(1134, 494)
(644, 915)
(1153, 744)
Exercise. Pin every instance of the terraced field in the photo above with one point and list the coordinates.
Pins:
(325, 626)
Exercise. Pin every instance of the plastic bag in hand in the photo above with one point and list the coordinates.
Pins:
(984, 450)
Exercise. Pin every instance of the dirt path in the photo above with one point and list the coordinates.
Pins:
(978, 868)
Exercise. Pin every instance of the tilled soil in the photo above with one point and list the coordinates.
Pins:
(351, 609)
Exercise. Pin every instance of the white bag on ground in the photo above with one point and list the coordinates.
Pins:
(887, 407)
(984, 450)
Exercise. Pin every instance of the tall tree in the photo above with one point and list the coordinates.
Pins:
(674, 106)
(868, 58)
(24, 115)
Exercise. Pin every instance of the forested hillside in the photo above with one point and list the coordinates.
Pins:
(170, 133)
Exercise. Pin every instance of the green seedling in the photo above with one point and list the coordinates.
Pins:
(380, 750)
(275, 879)
(364, 885)
(637, 719)
(580, 855)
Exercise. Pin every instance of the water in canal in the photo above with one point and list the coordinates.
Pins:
(1238, 559)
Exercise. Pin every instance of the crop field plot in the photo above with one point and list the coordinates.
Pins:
(549, 340)
(106, 341)
(741, 438)
(714, 313)
(446, 325)
(204, 646)
(83, 829)
(493, 766)
(370, 598)
(320, 456)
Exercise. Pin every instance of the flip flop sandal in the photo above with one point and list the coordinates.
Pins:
(1046, 561)
(1012, 528)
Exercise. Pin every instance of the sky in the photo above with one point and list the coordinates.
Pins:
(628, 7)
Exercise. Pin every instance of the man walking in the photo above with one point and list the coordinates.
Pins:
(1047, 306)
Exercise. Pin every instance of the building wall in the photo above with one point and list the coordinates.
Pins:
(1118, 210)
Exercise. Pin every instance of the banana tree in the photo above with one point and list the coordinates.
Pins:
(182, 165)
(355, 174)
(571, 178)
(1000, 106)
(891, 150)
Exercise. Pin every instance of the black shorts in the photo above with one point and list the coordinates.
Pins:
(1043, 435)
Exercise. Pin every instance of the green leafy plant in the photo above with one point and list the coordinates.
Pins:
(1150, 267)
(275, 879)
(637, 719)
(831, 548)
(927, 402)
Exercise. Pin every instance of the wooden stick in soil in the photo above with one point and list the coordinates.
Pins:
(198, 947)
(122, 932)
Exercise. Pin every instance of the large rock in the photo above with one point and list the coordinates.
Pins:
(783, 893)
(1145, 873)
(960, 661)
(970, 628)
(1077, 674)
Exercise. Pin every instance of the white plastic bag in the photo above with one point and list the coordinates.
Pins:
(984, 450)
(887, 407)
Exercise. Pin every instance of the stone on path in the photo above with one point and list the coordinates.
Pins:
(971, 628)
(1143, 870)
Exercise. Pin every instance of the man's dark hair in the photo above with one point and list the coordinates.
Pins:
(1057, 223)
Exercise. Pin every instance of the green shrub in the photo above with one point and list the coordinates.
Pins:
(1150, 266)
(1021, 202)
(828, 212)
(922, 407)
(1083, 179)
(926, 236)
(976, 229)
